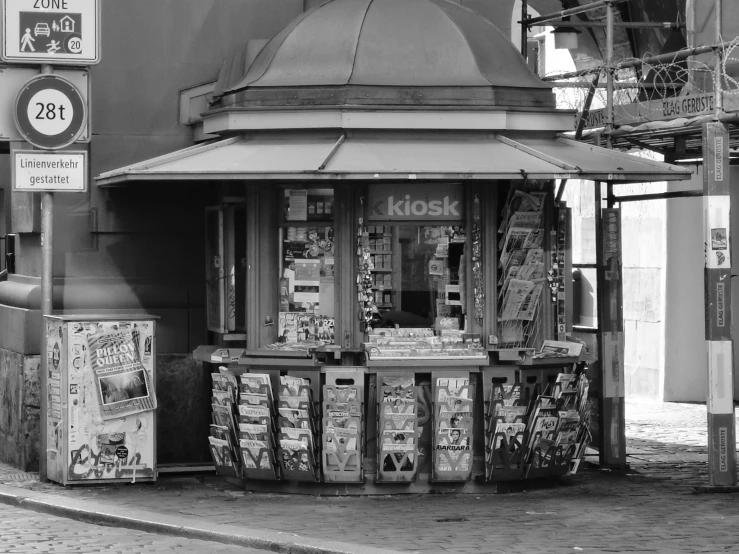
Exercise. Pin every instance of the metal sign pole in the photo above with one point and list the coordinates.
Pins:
(47, 306)
(717, 279)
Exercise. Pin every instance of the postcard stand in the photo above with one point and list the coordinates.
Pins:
(343, 425)
(453, 417)
(397, 431)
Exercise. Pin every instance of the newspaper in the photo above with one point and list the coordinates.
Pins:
(123, 383)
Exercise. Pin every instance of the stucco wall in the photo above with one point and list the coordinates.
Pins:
(686, 366)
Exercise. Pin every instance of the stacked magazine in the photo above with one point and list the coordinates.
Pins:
(504, 432)
(297, 428)
(256, 431)
(522, 270)
(398, 431)
(223, 434)
(453, 429)
(342, 433)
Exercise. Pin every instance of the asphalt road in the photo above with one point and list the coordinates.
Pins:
(27, 532)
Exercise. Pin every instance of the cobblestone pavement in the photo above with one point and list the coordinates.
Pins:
(28, 532)
(651, 507)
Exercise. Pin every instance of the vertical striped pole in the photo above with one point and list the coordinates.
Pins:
(717, 280)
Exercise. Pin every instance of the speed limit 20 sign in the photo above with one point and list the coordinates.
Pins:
(50, 112)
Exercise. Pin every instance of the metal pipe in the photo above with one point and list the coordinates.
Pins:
(571, 11)
(524, 29)
(718, 104)
(657, 196)
(621, 25)
(669, 57)
(609, 73)
(47, 291)
(618, 86)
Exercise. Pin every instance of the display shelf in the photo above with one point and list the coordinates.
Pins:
(381, 270)
(428, 362)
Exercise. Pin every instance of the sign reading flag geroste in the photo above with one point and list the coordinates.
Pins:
(51, 31)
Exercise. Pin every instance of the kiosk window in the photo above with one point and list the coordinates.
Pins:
(418, 274)
(306, 269)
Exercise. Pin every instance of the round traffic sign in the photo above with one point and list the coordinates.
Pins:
(50, 112)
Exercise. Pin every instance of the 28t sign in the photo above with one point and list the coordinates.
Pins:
(50, 112)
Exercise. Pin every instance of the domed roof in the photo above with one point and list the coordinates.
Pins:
(405, 44)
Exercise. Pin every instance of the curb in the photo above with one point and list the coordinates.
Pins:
(178, 526)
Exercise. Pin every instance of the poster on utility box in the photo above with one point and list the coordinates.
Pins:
(123, 385)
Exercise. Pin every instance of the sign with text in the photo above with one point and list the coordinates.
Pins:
(50, 112)
(15, 78)
(416, 202)
(42, 171)
(51, 31)
(655, 110)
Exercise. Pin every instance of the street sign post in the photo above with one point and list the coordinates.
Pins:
(14, 79)
(50, 112)
(47, 171)
(59, 32)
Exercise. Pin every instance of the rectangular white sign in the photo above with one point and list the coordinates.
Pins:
(51, 31)
(43, 171)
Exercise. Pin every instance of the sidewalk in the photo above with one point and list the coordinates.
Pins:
(652, 507)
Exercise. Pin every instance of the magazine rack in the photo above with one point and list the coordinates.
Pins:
(298, 453)
(452, 459)
(223, 449)
(343, 425)
(550, 462)
(397, 428)
(503, 459)
(259, 463)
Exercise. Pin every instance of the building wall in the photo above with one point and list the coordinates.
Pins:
(138, 247)
(686, 363)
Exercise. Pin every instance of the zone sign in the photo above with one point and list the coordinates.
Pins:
(50, 112)
(51, 31)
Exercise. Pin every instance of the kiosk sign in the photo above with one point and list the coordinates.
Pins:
(51, 31)
(44, 171)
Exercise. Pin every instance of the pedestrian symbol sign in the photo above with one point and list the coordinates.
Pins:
(51, 31)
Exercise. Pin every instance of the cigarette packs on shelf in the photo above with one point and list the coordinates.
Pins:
(453, 416)
(297, 427)
(398, 434)
(342, 433)
(422, 344)
(223, 435)
(256, 429)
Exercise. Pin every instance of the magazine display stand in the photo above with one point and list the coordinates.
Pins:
(256, 426)
(223, 430)
(558, 433)
(523, 270)
(297, 427)
(453, 417)
(343, 424)
(505, 427)
(397, 435)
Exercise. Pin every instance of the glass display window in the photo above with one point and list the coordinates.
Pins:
(418, 275)
(306, 266)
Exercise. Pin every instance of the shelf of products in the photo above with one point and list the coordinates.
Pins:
(423, 343)
(306, 288)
